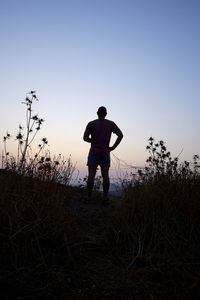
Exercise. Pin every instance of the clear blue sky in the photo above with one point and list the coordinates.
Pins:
(140, 59)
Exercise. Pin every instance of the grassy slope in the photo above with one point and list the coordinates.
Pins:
(55, 247)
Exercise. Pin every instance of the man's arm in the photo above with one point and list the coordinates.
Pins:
(86, 136)
(117, 142)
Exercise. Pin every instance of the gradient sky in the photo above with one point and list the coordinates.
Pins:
(140, 59)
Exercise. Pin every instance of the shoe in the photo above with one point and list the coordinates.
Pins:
(87, 200)
(106, 202)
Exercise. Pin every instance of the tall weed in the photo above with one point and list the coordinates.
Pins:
(155, 232)
(41, 165)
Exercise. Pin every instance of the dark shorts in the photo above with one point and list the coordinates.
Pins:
(95, 161)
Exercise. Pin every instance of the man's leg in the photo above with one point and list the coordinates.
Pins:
(90, 182)
(106, 181)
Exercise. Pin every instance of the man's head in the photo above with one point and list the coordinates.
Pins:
(102, 112)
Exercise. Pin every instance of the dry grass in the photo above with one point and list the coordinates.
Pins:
(155, 235)
(146, 248)
(36, 235)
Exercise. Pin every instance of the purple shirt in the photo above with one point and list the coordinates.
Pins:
(100, 131)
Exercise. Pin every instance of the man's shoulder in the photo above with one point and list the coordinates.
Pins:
(93, 122)
(109, 121)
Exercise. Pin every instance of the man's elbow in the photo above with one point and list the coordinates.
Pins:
(85, 138)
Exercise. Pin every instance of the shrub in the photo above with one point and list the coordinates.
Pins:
(41, 164)
(155, 232)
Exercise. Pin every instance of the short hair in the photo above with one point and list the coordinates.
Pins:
(102, 111)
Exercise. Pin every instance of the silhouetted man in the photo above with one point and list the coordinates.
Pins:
(98, 133)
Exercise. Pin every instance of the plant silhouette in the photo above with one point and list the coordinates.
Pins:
(41, 165)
